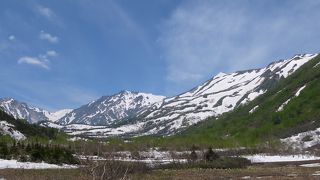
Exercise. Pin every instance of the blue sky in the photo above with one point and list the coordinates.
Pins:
(63, 54)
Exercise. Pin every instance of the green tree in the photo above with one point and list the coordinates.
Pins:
(193, 155)
(4, 151)
(210, 155)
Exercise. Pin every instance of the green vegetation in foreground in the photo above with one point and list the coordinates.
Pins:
(37, 152)
(262, 127)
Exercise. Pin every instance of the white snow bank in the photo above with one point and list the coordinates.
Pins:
(92, 158)
(261, 158)
(76, 138)
(311, 165)
(317, 173)
(150, 161)
(14, 164)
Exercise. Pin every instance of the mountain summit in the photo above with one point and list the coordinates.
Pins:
(111, 110)
(21, 110)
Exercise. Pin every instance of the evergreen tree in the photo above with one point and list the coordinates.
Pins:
(193, 154)
(4, 151)
(210, 155)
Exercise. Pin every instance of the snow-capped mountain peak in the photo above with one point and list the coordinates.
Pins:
(21, 110)
(111, 110)
(220, 74)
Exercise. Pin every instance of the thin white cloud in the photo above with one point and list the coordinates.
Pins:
(43, 60)
(11, 37)
(130, 23)
(48, 54)
(194, 39)
(34, 61)
(48, 37)
(45, 11)
(203, 37)
(51, 53)
(48, 14)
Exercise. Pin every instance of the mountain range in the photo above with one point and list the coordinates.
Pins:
(134, 114)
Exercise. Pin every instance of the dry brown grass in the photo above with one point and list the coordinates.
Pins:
(254, 172)
(33, 174)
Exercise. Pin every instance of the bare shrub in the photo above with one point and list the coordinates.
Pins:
(113, 169)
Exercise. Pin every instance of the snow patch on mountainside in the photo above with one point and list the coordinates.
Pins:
(253, 109)
(8, 129)
(101, 131)
(303, 140)
(288, 66)
(299, 91)
(51, 125)
(287, 101)
(283, 105)
(55, 116)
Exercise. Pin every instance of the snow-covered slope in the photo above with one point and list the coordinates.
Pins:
(111, 110)
(55, 116)
(9, 129)
(304, 139)
(220, 94)
(129, 114)
(21, 110)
